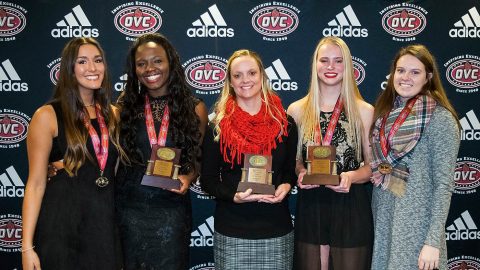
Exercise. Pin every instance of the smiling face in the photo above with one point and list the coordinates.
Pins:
(152, 68)
(89, 68)
(246, 78)
(330, 65)
(410, 76)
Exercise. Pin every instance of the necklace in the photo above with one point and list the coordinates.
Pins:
(90, 105)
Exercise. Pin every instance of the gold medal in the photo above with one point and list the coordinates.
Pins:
(385, 168)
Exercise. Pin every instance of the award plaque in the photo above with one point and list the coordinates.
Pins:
(257, 174)
(321, 166)
(162, 168)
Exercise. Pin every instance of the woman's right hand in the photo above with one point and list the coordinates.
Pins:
(30, 260)
(247, 196)
(300, 179)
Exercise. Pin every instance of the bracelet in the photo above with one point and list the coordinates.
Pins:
(27, 249)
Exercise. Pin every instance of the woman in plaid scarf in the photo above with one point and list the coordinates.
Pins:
(415, 141)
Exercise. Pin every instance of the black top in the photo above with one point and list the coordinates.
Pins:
(252, 220)
(76, 225)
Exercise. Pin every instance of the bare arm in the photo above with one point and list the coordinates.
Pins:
(39, 144)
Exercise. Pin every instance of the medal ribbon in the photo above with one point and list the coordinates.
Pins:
(101, 148)
(162, 135)
(331, 125)
(396, 125)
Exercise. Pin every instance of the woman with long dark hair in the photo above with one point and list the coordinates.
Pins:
(155, 223)
(415, 141)
(68, 221)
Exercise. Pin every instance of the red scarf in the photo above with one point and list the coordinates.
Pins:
(243, 133)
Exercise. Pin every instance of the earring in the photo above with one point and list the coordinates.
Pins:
(139, 87)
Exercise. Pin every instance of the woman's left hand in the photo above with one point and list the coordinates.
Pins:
(428, 258)
(345, 183)
(280, 193)
(185, 185)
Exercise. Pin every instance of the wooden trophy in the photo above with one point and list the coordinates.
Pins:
(257, 174)
(162, 168)
(321, 166)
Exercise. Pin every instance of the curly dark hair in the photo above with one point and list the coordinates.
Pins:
(184, 122)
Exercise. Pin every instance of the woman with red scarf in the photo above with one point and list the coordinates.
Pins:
(415, 141)
(252, 231)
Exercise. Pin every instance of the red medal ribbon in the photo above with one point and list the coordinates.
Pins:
(396, 125)
(331, 125)
(101, 148)
(162, 135)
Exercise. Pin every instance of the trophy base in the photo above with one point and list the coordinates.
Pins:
(321, 179)
(160, 182)
(256, 188)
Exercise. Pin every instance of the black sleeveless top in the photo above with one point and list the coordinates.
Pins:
(76, 225)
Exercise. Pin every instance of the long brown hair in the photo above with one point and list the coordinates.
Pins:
(432, 88)
(67, 93)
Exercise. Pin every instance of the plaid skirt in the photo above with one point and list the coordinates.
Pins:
(235, 253)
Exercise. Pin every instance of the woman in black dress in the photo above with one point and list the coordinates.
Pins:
(155, 223)
(68, 221)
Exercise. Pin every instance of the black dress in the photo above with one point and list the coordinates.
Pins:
(155, 224)
(76, 223)
(341, 220)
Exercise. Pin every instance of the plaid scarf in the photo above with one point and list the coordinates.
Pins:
(401, 144)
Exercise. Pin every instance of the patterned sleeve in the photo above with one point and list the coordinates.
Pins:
(444, 142)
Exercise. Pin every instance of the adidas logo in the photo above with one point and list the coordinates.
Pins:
(203, 236)
(279, 78)
(470, 127)
(119, 86)
(75, 24)
(210, 24)
(468, 26)
(463, 228)
(9, 74)
(11, 184)
(345, 24)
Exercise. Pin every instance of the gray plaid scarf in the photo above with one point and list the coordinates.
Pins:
(401, 144)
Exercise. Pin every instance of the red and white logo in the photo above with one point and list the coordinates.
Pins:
(210, 24)
(404, 21)
(74, 24)
(345, 24)
(275, 21)
(197, 188)
(9, 79)
(467, 175)
(464, 262)
(358, 69)
(136, 20)
(206, 73)
(54, 67)
(12, 20)
(468, 26)
(13, 128)
(463, 72)
(10, 233)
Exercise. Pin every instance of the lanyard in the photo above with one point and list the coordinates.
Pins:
(162, 135)
(101, 148)
(396, 125)
(331, 125)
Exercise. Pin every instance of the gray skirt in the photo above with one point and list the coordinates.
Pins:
(235, 253)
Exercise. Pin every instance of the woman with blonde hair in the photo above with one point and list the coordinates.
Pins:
(333, 226)
(415, 141)
(69, 221)
(252, 231)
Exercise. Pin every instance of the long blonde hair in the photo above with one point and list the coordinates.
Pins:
(227, 91)
(349, 94)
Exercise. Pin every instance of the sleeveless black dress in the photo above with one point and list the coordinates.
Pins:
(155, 224)
(76, 223)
